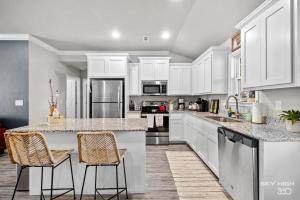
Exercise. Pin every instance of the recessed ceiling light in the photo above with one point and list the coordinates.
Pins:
(116, 34)
(165, 35)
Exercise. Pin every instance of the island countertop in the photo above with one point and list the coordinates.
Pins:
(94, 124)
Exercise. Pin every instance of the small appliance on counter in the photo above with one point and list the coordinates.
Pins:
(181, 104)
(203, 105)
(214, 106)
(131, 106)
(137, 107)
(193, 106)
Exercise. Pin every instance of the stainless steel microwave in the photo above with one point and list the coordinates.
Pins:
(154, 88)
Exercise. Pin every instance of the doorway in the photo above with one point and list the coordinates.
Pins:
(73, 97)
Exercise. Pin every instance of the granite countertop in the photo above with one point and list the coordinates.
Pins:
(76, 125)
(264, 132)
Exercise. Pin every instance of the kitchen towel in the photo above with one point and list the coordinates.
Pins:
(159, 120)
(150, 119)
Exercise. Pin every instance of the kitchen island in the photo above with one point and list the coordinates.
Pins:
(129, 133)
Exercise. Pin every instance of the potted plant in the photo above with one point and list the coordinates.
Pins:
(292, 120)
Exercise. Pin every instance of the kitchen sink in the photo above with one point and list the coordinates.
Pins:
(223, 119)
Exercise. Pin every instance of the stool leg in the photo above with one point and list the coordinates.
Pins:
(51, 189)
(83, 182)
(95, 182)
(117, 181)
(18, 179)
(42, 176)
(125, 178)
(72, 177)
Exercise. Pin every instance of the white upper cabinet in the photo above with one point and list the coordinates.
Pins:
(180, 81)
(251, 54)
(207, 73)
(210, 72)
(103, 65)
(96, 65)
(162, 69)
(154, 68)
(134, 80)
(117, 65)
(277, 44)
(148, 70)
(267, 46)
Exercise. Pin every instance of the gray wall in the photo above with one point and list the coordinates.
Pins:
(13, 83)
(45, 65)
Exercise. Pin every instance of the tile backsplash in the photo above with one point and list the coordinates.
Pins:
(139, 99)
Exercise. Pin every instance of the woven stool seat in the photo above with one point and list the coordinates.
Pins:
(60, 155)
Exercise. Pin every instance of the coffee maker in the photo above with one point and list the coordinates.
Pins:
(203, 105)
(181, 104)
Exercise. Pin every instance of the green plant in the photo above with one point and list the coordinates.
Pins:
(293, 115)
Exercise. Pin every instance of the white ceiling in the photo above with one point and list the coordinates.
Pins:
(194, 25)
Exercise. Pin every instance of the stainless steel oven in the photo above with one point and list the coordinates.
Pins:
(156, 134)
(154, 88)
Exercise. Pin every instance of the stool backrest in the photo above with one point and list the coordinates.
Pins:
(98, 148)
(28, 149)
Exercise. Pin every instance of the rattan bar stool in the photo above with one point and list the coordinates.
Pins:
(31, 150)
(100, 149)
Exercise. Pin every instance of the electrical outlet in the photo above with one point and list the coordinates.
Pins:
(19, 103)
(278, 105)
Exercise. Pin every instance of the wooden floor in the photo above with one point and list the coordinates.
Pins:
(159, 180)
(192, 177)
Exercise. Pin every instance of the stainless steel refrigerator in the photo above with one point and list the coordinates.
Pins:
(107, 98)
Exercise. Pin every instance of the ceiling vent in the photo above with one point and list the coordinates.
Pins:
(146, 39)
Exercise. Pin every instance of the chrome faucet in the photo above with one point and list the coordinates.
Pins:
(236, 104)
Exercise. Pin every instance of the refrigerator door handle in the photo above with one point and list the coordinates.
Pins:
(119, 101)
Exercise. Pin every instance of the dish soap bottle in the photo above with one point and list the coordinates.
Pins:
(229, 112)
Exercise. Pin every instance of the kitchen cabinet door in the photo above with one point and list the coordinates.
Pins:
(212, 148)
(251, 54)
(176, 130)
(207, 77)
(277, 44)
(148, 70)
(97, 66)
(202, 144)
(180, 80)
(117, 66)
(194, 79)
(162, 70)
(174, 82)
(201, 78)
(134, 81)
(186, 78)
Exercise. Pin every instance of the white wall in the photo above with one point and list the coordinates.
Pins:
(45, 65)
(289, 97)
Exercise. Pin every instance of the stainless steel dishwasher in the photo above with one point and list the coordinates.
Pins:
(238, 164)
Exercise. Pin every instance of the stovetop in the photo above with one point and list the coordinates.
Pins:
(152, 109)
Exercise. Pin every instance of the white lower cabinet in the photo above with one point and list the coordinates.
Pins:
(176, 130)
(201, 135)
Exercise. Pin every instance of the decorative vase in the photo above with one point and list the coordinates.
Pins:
(295, 128)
